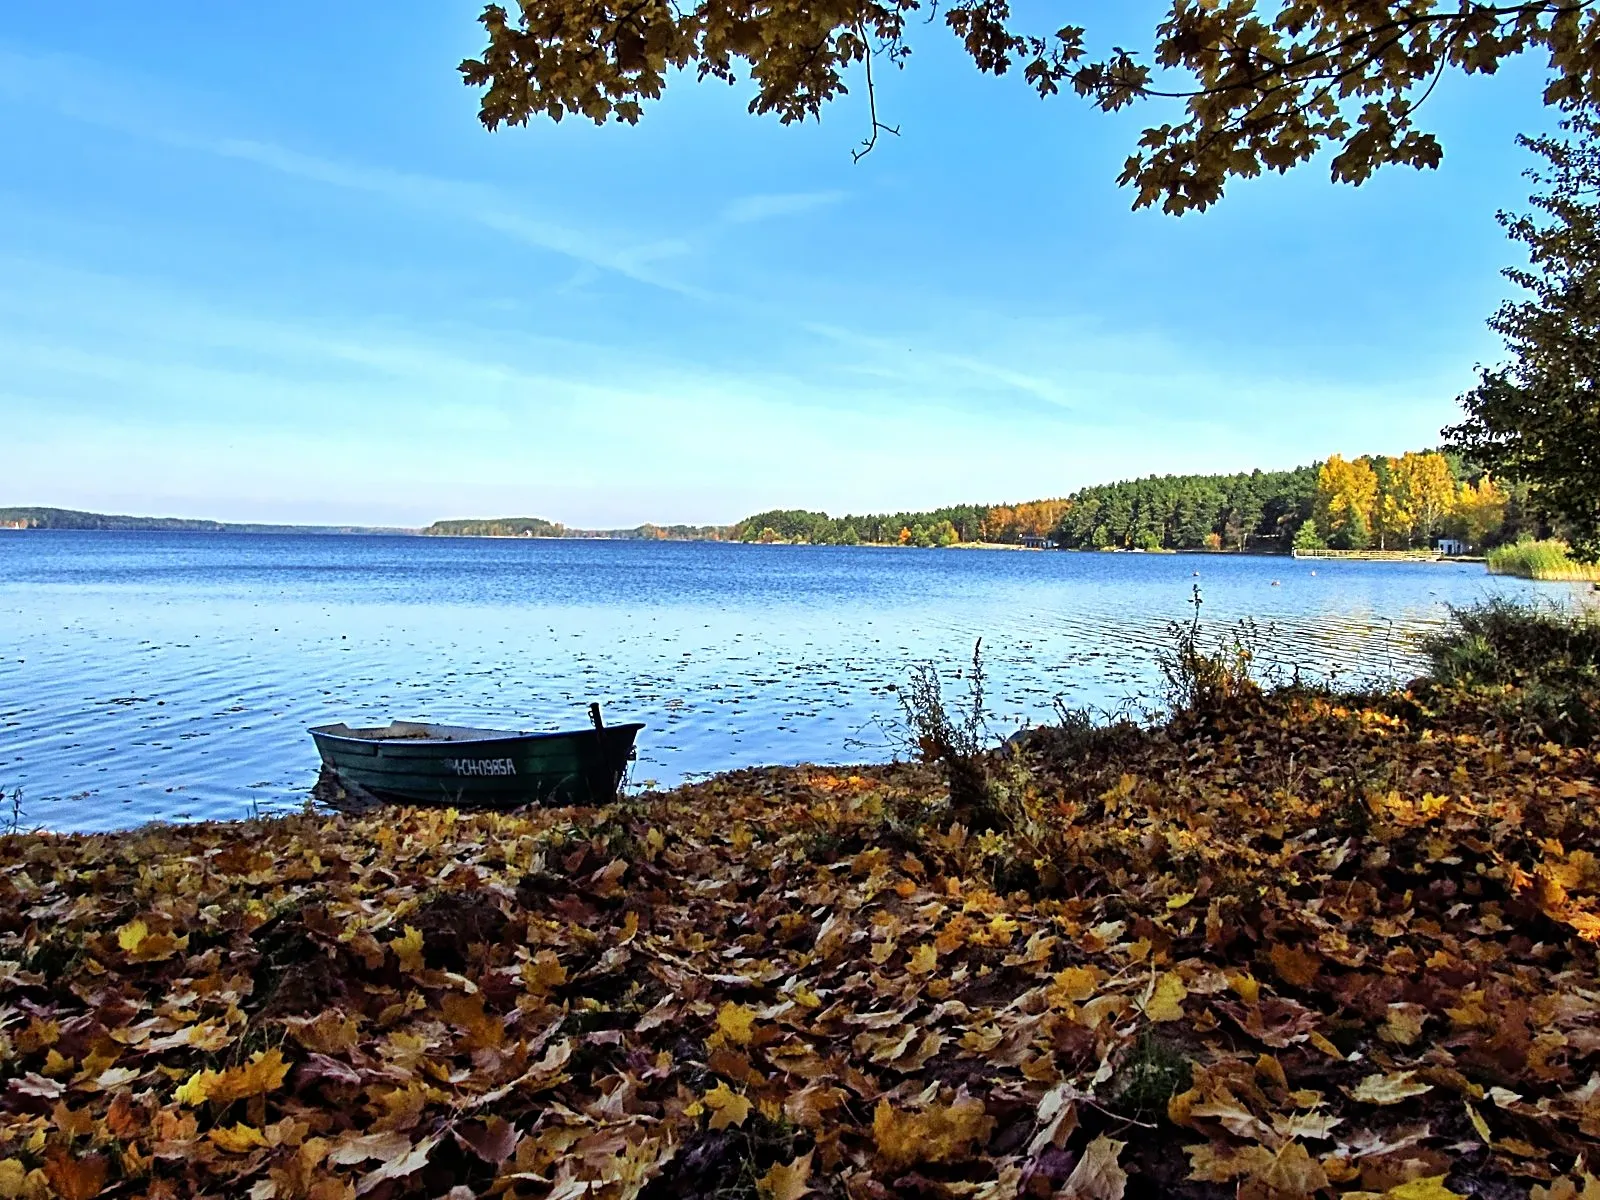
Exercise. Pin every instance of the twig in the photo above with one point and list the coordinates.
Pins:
(872, 102)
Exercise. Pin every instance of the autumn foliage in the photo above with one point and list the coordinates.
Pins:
(1303, 946)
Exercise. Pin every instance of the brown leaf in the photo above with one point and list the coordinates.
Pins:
(398, 1167)
(1217, 1162)
(1294, 965)
(494, 1140)
(1293, 1173)
(1098, 1175)
(75, 1178)
(1388, 1089)
(385, 1147)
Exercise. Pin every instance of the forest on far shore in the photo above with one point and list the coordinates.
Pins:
(1375, 501)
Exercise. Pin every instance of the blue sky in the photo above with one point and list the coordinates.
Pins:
(260, 262)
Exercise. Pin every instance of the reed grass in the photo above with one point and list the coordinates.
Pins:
(1547, 560)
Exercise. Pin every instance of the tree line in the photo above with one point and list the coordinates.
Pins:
(1375, 501)
(540, 528)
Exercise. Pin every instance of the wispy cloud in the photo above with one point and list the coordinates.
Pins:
(76, 90)
(761, 207)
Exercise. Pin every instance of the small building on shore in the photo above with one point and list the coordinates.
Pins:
(1450, 546)
(1034, 542)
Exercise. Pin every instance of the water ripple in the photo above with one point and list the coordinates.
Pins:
(171, 676)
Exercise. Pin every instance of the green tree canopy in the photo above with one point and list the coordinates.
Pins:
(1537, 418)
(1262, 84)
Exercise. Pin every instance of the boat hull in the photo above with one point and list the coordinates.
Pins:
(415, 763)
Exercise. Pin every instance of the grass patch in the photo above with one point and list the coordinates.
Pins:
(1548, 560)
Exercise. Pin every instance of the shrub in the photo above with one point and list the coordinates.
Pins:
(1548, 657)
(1201, 680)
(956, 744)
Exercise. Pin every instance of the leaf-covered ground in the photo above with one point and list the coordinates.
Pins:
(1308, 948)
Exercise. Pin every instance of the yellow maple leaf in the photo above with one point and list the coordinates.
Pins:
(727, 1106)
(131, 934)
(786, 1182)
(939, 1133)
(736, 1023)
(1166, 999)
(56, 1063)
(195, 1090)
(13, 1178)
(544, 974)
(1001, 929)
(1430, 1188)
(264, 1073)
(1179, 901)
(408, 949)
(241, 1139)
(1077, 983)
(924, 960)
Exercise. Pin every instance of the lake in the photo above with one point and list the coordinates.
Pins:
(149, 676)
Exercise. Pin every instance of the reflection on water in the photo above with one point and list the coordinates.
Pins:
(171, 676)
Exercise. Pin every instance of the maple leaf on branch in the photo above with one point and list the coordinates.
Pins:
(1262, 86)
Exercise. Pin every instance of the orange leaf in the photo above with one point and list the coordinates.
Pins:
(75, 1178)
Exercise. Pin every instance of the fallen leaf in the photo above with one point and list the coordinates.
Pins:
(1293, 1173)
(75, 1178)
(240, 1139)
(1403, 1023)
(736, 1023)
(1431, 1188)
(1166, 999)
(727, 1106)
(786, 1181)
(399, 1167)
(1098, 1175)
(1216, 1162)
(1294, 965)
(385, 1147)
(1389, 1089)
(1077, 983)
(939, 1133)
(493, 1141)
(408, 949)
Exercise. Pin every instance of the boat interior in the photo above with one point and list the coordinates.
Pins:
(417, 731)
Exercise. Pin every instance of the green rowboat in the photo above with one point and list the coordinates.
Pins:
(417, 763)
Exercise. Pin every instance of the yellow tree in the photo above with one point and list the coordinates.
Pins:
(1394, 516)
(1482, 509)
(1426, 491)
(1347, 493)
